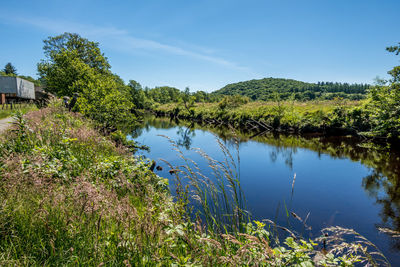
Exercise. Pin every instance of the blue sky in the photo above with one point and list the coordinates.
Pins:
(208, 44)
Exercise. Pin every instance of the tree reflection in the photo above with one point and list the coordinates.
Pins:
(386, 191)
(186, 135)
(135, 133)
(285, 153)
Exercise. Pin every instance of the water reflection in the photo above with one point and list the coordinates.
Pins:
(186, 135)
(386, 192)
(286, 153)
(382, 184)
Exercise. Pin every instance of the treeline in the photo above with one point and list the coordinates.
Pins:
(268, 89)
(145, 98)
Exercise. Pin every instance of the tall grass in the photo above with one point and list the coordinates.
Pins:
(221, 198)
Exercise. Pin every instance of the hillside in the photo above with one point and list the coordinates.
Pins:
(271, 88)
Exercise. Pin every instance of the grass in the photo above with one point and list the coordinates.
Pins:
(71, 196)
(326, 117)
(301, 107)
(5, 113)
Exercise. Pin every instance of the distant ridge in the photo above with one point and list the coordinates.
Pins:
(273, 88)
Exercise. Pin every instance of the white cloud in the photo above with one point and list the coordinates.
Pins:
(119, 36)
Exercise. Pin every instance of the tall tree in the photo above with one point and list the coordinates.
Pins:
(65, 55)
(188, 99)
(9, 69)
(74, 64)
(137, 95)
(385, 103)
(88, 51)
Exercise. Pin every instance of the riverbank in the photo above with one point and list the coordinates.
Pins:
(324, 118)
(71, 196)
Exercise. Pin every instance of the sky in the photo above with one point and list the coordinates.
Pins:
(206, 44)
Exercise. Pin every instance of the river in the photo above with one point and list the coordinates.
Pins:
(339, 181)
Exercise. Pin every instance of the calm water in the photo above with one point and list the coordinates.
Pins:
(337, 181)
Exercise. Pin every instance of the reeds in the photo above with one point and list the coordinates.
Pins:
(227, 198)
(220, 198)
(336, 241)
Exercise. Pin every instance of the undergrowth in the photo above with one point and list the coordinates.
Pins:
(337, 117)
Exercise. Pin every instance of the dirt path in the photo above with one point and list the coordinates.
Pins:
(5, 123)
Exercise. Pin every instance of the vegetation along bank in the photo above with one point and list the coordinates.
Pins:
(376, 117)
(73, 196)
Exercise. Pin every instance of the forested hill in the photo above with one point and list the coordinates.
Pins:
(271, 88)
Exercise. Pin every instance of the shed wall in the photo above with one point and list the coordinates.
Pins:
(25, 89)
(8, 85)
(20, 87)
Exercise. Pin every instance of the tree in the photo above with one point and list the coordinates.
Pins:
(76, 65)
(188, 99)
(101, 100)
(137, 95)
(384, 103)
(88, 51)
(9, 69)
(65, 55)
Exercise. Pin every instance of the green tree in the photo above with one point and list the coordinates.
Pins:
(76, 65)
(384, 103)
(9, 69)
(101, 100)
(64, 56)
(188, 99)
(88, 51)
(137, 95)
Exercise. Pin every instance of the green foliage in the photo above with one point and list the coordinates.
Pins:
(232, 102)
(137, 95)
(378, 116)
(87, 51)
(323, 116)
(101, 100)
(166, 94)
(188, 99)
(384, 110)
(383, 106)
(267, 88)
(63, 70)
(76, 65)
